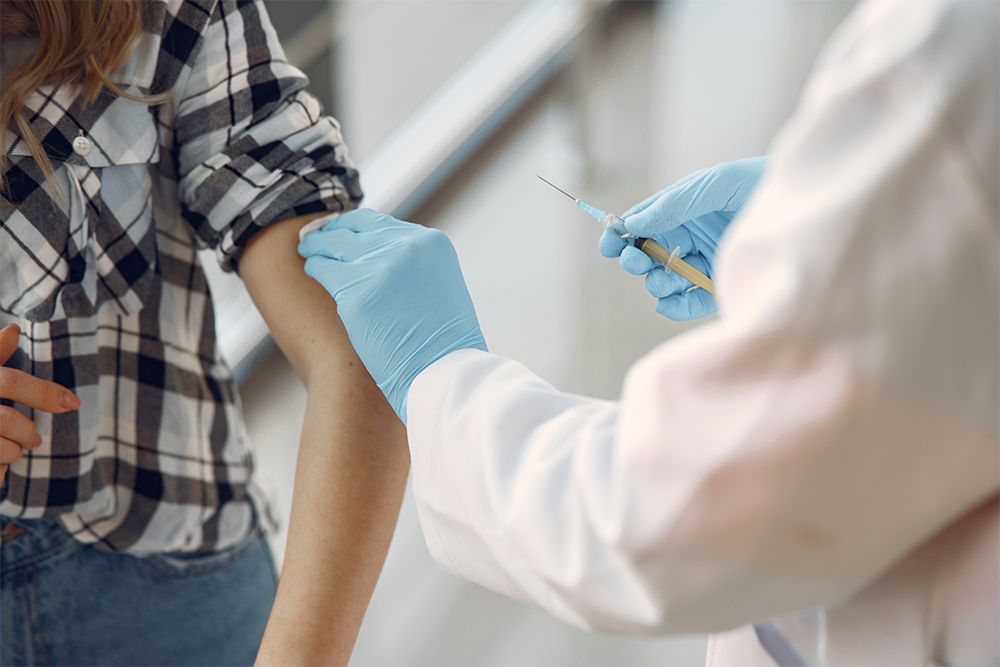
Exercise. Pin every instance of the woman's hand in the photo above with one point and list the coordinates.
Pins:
(17, 432)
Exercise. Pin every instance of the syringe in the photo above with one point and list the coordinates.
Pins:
(670, 260)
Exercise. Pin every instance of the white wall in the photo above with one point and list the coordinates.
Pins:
(393, 54)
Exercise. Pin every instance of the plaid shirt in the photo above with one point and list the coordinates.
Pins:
(104, 279)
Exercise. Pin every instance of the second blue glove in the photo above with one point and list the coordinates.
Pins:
(400, 294)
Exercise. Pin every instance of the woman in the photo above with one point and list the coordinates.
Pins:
(133, 527)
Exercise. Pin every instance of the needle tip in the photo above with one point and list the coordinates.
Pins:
(558, 188)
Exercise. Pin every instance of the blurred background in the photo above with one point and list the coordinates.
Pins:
(450, 108)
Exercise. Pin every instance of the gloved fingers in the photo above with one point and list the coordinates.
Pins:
(673, 208)
(330, 243)
(687, 306)
(611, 244)
(636, 261)
(679, 238)
(661, 284)
(707, 230)
(724, 187)
(322, 269)
(332, 274)
(645, 203)
(364, 220)
(345, 245)
(739, 178)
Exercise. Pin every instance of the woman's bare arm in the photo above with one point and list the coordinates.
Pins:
(352, 464)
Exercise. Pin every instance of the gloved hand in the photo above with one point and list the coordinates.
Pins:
(692, 213)
(400, 294)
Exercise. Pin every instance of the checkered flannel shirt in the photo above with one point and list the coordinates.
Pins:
(104, 279)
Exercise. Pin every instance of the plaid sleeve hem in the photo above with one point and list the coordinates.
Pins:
(253, 147)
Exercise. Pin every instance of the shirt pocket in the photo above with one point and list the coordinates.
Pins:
(85, 237)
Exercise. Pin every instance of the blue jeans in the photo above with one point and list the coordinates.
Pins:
(67, 603)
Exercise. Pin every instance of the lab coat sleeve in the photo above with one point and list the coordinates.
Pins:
(841, 411)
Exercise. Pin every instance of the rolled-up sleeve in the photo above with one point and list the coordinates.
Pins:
(252, 147)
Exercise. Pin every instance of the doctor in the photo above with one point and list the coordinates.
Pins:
(830, 443)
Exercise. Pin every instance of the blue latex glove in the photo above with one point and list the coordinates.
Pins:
(693, 213)
(400, 294)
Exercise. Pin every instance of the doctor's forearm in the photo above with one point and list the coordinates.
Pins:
(352, 464)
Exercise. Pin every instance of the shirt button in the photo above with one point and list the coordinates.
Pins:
(81, 145)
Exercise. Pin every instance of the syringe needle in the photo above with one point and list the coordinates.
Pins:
(597, 214)
(559, 189)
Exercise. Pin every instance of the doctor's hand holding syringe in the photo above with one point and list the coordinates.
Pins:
(691, 215)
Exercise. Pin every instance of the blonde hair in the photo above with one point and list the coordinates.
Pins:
(80, 42)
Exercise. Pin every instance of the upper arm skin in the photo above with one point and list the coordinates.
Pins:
(299, 312)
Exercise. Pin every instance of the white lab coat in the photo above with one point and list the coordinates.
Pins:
(832, 441)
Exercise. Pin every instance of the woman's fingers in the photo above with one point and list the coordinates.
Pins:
(33, 392)
(687, 306)
(10, 451)
(8, 341)
(20, 387)
(19, 432)
(15, 426)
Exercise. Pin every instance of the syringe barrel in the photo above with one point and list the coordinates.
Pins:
(678, 265)
(653, 249)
